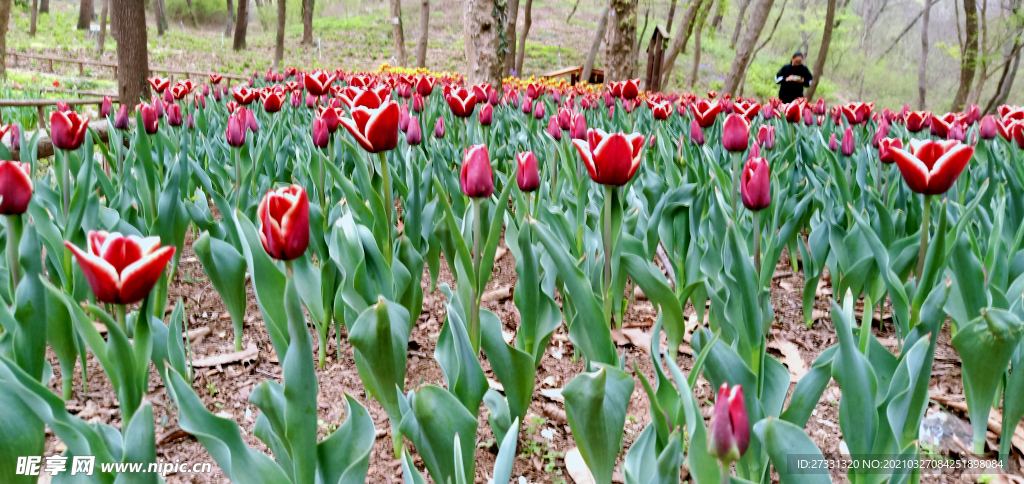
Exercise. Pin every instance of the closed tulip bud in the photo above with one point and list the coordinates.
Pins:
(217, 94)
(206, 89)
(284, 222)
(848, 144)
(696, 133)
(885, 147)
(755, 184)
(881, 132)
(755, 152)
(121, 269)
(819, 107)
(492, 98)
(833, 143)
(168, 97)
(200, 101)
(15, 138)
(579, 126)
(236, 131)
(766, 136)
(476, 178)
(611, 158)
(321, 135)
(159, 105)
(296, 98)
(67, 129)
(609, 101)
(730, 427)
(414, 135)
(105, 107)
(486, 115)
(735, 133)
(956, 131)
(527, 175)
(121, 120)
(439, 128)
(767, 111)
(417, 103)
(565, 118)
(174, 115)
(403, 118)
(973, 114)
(311, 101)
(931, 167)
(553, 128)
(15, 187)
(527, 106)
(538, 111)
(808, 116)
(988, 128)
(250, 119)
(630, 89)
(190, 122)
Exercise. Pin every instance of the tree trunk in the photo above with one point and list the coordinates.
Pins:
(481, 37)
(1006, 78)
(634, 56)
(619, 50)
(739, 23)
(698, 27)
(103, 28)
(44, 6)
(746, 46)
(282, 13)
(826, 41)
(970, 57)
(34, 15)
(307, 22)
(671, 15)
(679, 44)
(192, 14)
(527, 22)
(719, 12)
(5, 16)
(421, 48)
(84, 14)
(923, 63)
(241, 23)
(595, 44)
(398, 33)
(128, 19)
(510, 36)
(160, 12)
(229, 22)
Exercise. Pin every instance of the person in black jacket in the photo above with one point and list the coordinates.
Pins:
(793, 78)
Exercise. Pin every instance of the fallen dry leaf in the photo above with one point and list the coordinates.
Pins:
(578, 469)
(791, 357)
(248, 354)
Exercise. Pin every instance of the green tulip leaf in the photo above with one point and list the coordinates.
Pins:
(595, 404)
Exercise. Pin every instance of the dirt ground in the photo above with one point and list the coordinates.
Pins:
(544, 438)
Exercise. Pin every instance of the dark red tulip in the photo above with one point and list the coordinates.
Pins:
(705, 112)
(206, 89)
(439, 127)
(15, 187)
(794, 112)
(319, 82)
(565, 118)
(931, 167)
(121, 269)
(881, 132)
(735, 133)
(273, 99)
(527, 175)
(527, 106)
(661, 111)
(611, 159)
(917, 120)
(538, 112)
(105, 107)
(216, 78)
(376, 130)
(190, 122)
(121, 120)
(534, 90)
(236, 130)
(482, 92)
(553, 128)
(579, 126)
(833, 143)
(486, 115)
(321, 135)
(284, 222)
(425, 84)
(849, 144)
(200, 101)
(630, 89)
(988, 128)
(414, 135)
(67, 129)
(476, 178)
(330, 116)
(174, 115)
(766, 136)
(730, 428)
(940, 125)
(885, 147)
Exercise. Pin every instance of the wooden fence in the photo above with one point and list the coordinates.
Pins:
(13, 57)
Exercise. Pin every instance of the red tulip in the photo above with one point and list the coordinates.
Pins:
(243, 95)
(476, 178)
(527, 175)
(273, 99)
(354, 97)
(833, 143)
(321, 135)
(794, 111)
(284, 222)
(215, 78)
(121, 269)
(941, 124)
(121, 120)
(236, 130)
(730, 428)
(885, 147)
(403, 118)
(848, 145)
(330, 116)
(425, 84)
(988, 128)
(461, 102)
(534, 90)
(177, 92)
(482, 92)
(158, 84)
(15, 187)
(538, 112)
(661, 111)
(439, 127)
(630, 89)
(735, 133)
(417, 103)
(931, 167)
(67, 129)
(105, 107)
(766, 136)
(565, 118)
(808, 116)
(414, 135)
(376, 130)
(973, 114)
(705, 112)
(318, 82)
(174, 115)
(819, 107)
(553, 128)
(696, 133)
(712, 94)
(917, 120)
(486, 115)
(747, 109)
(611, 159)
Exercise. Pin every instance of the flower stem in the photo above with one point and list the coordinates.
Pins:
(14, 230)
(474, 321)
(389, 202)
(735, 180)
(726, 479)
(757, 242)
(925, 225)
(65, 172)
(121, 317)
(609, 192)
(323, 177)
(238, 176)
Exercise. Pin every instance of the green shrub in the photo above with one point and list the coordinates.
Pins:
(207, 11)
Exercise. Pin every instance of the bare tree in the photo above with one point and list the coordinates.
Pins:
(421, 48)
(229, 22)
(527, 22)
(698, 28)
(747, 44)
(595, 45)
(5, 15)
(826, 41)
(671, 15)
(906, 29)
(34, 16)
(968, 62)
(739, 22)
(397, 33)
(279, 47)
(192, 14)
(128, 19)
(679, 43)
(85, 11)
(771, 33)
(103, 28)
(307, 22)
(923, 63)
(510, 36)
(719, 13)
(619, 50)
(160, 12)
(44, 6)
(481, 38)
(241, 24)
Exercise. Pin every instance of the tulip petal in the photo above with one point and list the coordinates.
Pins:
(914, 171)
(353, 129)
(382, 127)
(100, 275)
(946, 170)
(137, 280)
(588, 158)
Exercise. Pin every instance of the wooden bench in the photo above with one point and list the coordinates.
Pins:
(170, 73)
(574, 73)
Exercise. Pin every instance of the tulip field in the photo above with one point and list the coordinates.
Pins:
(395, 276)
